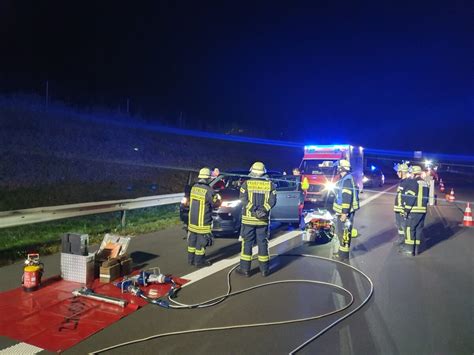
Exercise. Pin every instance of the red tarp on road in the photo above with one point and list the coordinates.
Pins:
(53, 319)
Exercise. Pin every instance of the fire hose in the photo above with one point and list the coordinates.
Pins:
(173, 304)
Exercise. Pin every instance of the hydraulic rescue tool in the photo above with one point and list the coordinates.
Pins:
(132, 285)
(88, 293)
(32, 272)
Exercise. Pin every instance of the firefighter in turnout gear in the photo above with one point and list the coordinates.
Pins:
(345, 204)
(414, 201)
(402, 172)
(202, 200)
(258, 196)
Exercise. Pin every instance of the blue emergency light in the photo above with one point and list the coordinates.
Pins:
(314, 148)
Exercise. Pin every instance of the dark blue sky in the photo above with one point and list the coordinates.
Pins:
(385, 74)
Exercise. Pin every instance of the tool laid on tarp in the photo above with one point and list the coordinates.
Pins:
(32, 273)
(89, 293)
(132, 285)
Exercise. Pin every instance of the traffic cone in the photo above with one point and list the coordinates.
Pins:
(467, 219)
(441, 186)
(451, 197)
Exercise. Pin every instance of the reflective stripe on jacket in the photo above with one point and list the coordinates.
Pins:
(398, 206)
(254, 194)
(416, 195)
(347, 196)
(201, 202)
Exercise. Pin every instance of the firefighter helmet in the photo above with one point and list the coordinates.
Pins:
(402, 168)
(344, 165)
(416, 170)
(258, 168)
(204, 173)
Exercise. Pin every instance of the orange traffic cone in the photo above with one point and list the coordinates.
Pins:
(467, 220)
(451, 197)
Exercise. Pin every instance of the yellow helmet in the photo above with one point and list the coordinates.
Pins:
(416, 170)
(344, 165)
(204, 173)
(402, 168)
(258, 168)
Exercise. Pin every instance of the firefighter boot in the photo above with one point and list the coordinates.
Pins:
(203, 263)
(242, 272)
(406, 249)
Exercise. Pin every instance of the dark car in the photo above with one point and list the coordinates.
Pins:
(373, 177)
(227, 217)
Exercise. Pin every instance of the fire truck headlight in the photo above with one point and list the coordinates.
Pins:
(330, 186)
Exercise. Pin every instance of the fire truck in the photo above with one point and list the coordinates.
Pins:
(319, 169)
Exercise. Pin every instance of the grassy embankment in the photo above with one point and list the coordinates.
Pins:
(44, 238)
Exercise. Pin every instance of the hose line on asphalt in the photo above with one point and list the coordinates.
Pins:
(212, 302)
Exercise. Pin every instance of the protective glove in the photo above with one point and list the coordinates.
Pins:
(210, 240)
(261, 213)
(343, 217)
(404, 214)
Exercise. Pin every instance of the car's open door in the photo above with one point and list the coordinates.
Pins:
(289, 199)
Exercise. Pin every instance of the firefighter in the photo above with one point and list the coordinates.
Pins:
(258, 196)
(414, 201)
(345, 204)
(202, 200)
(402, 172)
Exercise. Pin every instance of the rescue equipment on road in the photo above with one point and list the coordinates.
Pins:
(318, 224)
(132, 284)
(467, 219)
(32, 273)
(89, 293)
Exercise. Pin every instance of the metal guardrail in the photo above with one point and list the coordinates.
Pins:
(45, 214)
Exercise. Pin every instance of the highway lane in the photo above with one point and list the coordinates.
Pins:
(421, 305)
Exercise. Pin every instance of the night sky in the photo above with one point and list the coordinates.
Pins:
(384, 74)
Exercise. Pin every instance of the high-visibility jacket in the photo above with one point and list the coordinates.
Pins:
(347, 195)
(202, 199)
(398, 206)
(257, 194)
(416, 195)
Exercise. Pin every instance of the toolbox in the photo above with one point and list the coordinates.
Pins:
(111, 260)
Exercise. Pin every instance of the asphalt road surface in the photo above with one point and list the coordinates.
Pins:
(421, 305)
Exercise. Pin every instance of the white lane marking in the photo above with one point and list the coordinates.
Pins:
(21, 349)
(225, 263)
